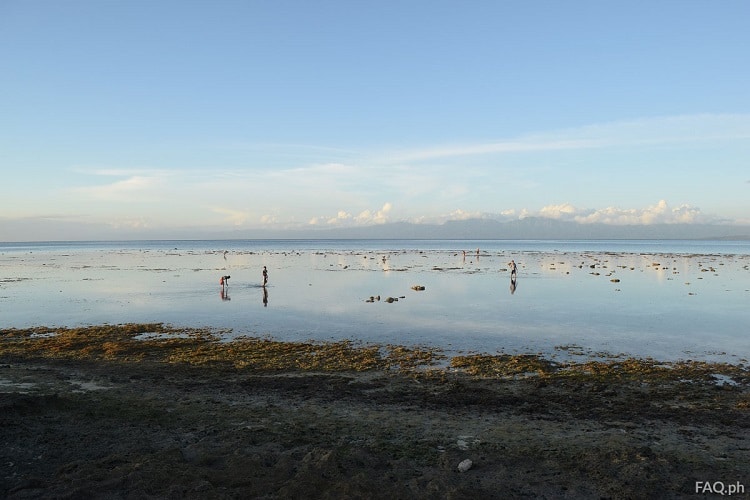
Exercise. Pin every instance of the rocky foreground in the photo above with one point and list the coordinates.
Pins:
(151, 411)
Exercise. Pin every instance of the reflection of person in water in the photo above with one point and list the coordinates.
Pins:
(224, 293)
(513, 285)
(265, 297)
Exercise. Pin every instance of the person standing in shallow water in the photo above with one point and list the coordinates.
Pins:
(513, 275)
(265, 275)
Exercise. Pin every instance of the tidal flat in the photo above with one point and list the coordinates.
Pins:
(666, 300)
(155, 411)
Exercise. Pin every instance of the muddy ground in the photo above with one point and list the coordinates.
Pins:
(97, 415)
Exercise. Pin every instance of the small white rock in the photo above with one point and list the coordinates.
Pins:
(465, 465)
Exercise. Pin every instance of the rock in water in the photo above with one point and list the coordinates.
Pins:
(465, 465)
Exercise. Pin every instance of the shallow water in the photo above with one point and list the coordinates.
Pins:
(674, 300)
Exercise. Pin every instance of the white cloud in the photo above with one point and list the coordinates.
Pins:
(365, 218)
(455, 215)
(130, 223)
(557, 211)
(659, 213)
(341, 218)
(464, 215)
(379, 217)
(268, 219)
(232, 216)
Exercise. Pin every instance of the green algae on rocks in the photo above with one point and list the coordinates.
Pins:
(203, 346)
(158, 342)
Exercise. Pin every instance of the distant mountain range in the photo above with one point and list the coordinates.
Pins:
(530, 228)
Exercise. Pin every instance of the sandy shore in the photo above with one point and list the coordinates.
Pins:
(105, 412)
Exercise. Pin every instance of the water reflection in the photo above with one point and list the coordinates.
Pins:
(661, 305)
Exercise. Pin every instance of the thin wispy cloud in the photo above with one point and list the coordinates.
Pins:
(135, 188)
(104, 171)
(493, 148)
(641, 132)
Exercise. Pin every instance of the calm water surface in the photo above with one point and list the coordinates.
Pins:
(673, 300)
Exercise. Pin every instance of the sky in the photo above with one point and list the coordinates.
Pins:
(118, 117)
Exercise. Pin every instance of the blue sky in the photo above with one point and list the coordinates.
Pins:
(119, 116)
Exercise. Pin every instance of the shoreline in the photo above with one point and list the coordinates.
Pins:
(97, 412)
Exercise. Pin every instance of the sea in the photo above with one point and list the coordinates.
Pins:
(662, 299)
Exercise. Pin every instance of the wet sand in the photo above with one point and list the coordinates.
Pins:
(150, 411)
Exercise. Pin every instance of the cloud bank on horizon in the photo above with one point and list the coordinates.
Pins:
(283, 116)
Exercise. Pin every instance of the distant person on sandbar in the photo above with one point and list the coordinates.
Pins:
(513, 269)
(265, 276)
